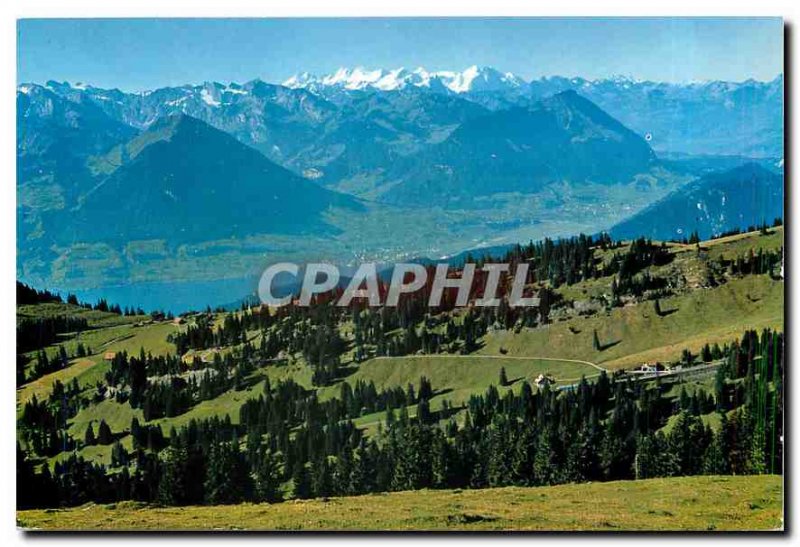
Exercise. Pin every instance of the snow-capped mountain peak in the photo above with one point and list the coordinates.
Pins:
(356, 78)
(473, 78)
(301, 79)
(477, 79)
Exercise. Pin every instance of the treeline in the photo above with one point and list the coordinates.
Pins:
(27, 295)
(34, 333)
(755, 263)
(762, 228)
(611, 429)
(46, 365)
(563, 261)
(42, 425)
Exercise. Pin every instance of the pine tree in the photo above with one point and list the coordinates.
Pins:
(321, 480)
(343, 473)
(595, 341)
(267, 477)
(441, 462)
(88, 438)
(684, 399)
(499, 472)
(363, 478)
(503, 377)
(424, 414)
(119, 456)
(523, 457)
(301, 482)
(172, 482)
(136, 434)
(227, 479)
(104, 435)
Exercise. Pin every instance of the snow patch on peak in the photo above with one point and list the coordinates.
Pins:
(357, 78)
(477, 78)
(208, 98)
(393, 79)
(302, 79)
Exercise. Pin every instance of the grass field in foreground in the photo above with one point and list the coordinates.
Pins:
(686, 503)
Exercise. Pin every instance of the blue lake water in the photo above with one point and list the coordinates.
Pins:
(182, 296)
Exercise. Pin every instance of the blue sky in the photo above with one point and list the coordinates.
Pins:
(140, 54)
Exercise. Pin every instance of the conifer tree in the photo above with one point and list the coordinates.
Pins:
(267, 477)
(88, 438)
(321, 480)
(172, 482)
(301, 482)
(503, 377)
(227, 477)
(104, 435)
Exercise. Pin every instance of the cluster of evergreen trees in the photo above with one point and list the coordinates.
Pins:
(34, 333)
(755, 263)
(286, 438)
(563, 261)
(158, 385)
(38, 332)
(28, 295)
(42, 424)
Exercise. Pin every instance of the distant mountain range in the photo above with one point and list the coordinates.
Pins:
(296, 123)
(713, 117)
(340, 163)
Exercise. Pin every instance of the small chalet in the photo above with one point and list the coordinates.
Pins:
(544, 380)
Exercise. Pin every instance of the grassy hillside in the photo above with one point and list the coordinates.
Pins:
(635, 333)
(685, 504)
(639, 335)
(462, 375)
(564, 349)
(129, 336)
(457, 377)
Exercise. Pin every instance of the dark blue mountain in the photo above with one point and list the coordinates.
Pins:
(565, 138)
(738, 198)
(182, 181)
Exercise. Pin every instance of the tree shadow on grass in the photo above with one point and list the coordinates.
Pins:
(608, 345)
(514, 381)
